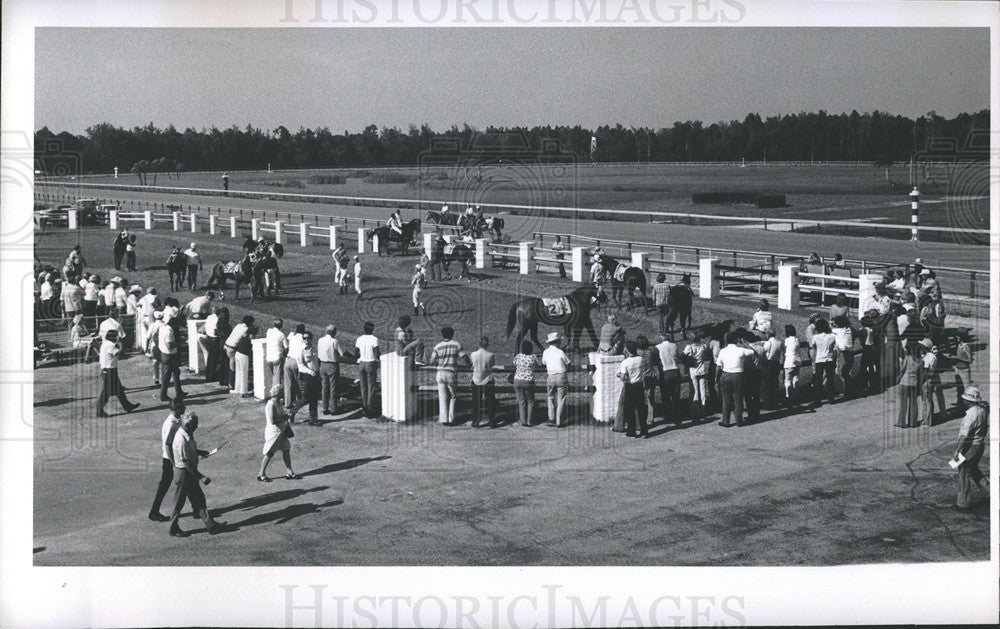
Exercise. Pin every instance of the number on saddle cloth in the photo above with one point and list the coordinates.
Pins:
(555, 311)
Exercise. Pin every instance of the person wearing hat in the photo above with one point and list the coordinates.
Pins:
(90, 291)
(186, 454)
(419, 282)
(930, 387)
(110, 384)
(357, 276)
(194, 264)
(556, 367)
(972, 438)
(167, 432)
(132, 300)
(446, 355)
(277, 430)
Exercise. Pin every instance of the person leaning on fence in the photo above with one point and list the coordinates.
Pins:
(791, 362)
(110, 384)
(277, 431)
(167, 432)
(308, 380)
(90, 292)
(844, 336)
(275, 350)
(930, 385)
(651, 375)
(633, 402)
(446, 356)
(244, 354)
(238, 332)
(291, 369)
(71, 297)
(731, 365)
(670, 360)
(824, 346)
(419, 282)
(871, 346)
(132, 301)
(839, 307)
(209, 338)
(201, 306)
(368, 362)
(698, 357)
(186, 455)
(773, 359)
(484, 399)
(753, 374)
(972, 438)
(525, 363)
(329, 353)
(661, 292)
(81, 338)
(406, 342)
(556, 367)
(612, 337)
(762, 322)
(911, 374)
(880, 301)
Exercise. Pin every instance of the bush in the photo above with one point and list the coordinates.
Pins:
(389, 177)
(760, 199)
(327, 179)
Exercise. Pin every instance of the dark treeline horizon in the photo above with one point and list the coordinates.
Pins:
(875, 137)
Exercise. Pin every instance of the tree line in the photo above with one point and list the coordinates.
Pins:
(875, 137)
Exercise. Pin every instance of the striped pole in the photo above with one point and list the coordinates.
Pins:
(914, 214)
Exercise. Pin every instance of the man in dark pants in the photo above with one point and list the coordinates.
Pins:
(225, 184)
(308, 376)
(110, 384)
(170, 426)
(483, 386)
(170, 360)
(329, 353)
(436, 263)
(368, 364)
(186, 453)
(633, 401)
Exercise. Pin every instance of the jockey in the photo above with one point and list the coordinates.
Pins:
(395, 223)
(340, 274)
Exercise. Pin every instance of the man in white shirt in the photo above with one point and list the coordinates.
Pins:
(731, 364)
(773, 360)
(484, 401)
(879, 301)
(213, 348)
(930, 388)
(824, 344)
(194, 265)
(329, 353)
(238, 332)
(556, 366)
(110, 384)
(170, 359)
(357, 276)
(90, 291)
(368, 356)
(201, 306)
(167, 432)
(275, 350)
(112, 323)
(762, 321)
(632, 401)
(186, 455)
(670, 376)
(308, 379)
(291, 370)
(72, 298)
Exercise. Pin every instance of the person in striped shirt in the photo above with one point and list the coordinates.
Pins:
(446, 356)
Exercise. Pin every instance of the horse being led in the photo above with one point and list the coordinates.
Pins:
(624, 278)
(386, 235)
(239, 272)
(679, 300)
(571, 312)
(458, 252)
(176, 268)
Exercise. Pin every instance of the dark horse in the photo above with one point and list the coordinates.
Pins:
(176, 268)
(461, 253)
(387, 235)
(572, 312)
(679, 299)
(624, 278)
(443, 218)
(239, 272)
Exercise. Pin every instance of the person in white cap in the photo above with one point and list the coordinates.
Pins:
(132, 301)
(972, 438)
(357, 276)
(194, 265)
(340, 271)
(419, 282)
(395, 222)
(556, 366)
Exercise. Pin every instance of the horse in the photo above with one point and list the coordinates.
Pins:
(458, 252)
(386, 235)
(443, 218)
(623, 278)
(265, 276)
(494, 225)
(572, 312)
(679, 299)
(176, 269)
(240, 272)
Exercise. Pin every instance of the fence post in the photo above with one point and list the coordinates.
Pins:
(577, 255)
(788, 287)
(147, 220)
(261, 374)
(279, 236)
(113, 219)
(196, 353)
(708, 284)
(303, 234)
(362, 238)
(333, 236)
(866, 288)
(607, 385)
(480, 253)
(213, 228)
(177, 221)
(255, 228)
(640, 259)
(73, 219)
(194, 223)
(915, 214)
(399, 400)
(232, 226)
(428, 243)
(526, 257)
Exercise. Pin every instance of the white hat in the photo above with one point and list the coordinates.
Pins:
(417, 266)
(135, 289)
(927, 343)
(193, 245)
(925, 272)
(553, 337)
(158, 314)
(167, 317)
(972, 394)
(116, 279)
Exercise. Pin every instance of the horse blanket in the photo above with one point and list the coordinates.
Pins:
(620, 272)
(554, 311)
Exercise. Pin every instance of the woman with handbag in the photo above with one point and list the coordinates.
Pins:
(277, 431)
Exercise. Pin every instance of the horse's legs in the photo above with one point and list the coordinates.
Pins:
(588, 323)
(534, 335)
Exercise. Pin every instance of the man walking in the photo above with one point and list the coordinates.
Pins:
(556, 365)
(110, 384)
(329, 353)
(446, 355)
(193, 265)
(483, 386)
(368, 360)
(186, 453)
(170, 427)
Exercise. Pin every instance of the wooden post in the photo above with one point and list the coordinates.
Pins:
(303, 234)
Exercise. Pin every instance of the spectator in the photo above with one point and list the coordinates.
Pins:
(244, 352)
(294, 345)
(909, 305)
(484, 401)
(419, 282)
(120, 300)
(909, 385)
(559, 247)
(130, 253)
(824, 346)
(276, 433)
(110, 384)
(971, 445)
(844, 336)
(811, 328)
(762, 321)
(879, 301)
(670, 360)
(930, 385)
(732, 363)
(891, 359)
(633, 404)
(368, 361)
(222, 331)
(773, 359)
(932, 318)
(201, 306)
(132, 302)
(406, 343)
(612, 337)
(839, 307)
(895, 281)
(929, 287)
(753, 374)
(210, 341)
(167, 432)
(47, 297)
(72, 298)
(118, 247)
(446, 355)
(186, 454)
(651, 375)
(81, 338)
(871, 354)
(838, 261)
(329, 353)
(661, 291)
(170, 360)
(194, 264)
(153, 346)
(90, 291)
(275, 350)
(357, 276)
(308, 380)
(698, 358)
(556, 366)
(792, 363)
(524, 382)
(962, 364)
(235, 335)
(112, 323)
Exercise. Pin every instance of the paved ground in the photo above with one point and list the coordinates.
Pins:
(837, 486)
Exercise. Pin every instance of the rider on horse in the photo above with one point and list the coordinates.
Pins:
(395, 223)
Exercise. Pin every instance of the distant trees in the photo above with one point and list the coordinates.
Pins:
(876, 137)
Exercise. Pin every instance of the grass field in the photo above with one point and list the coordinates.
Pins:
(837, 486)
(955, 196)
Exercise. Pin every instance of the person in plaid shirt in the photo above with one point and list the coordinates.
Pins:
(446, 356)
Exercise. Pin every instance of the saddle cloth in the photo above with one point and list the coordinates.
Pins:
(620, 273)
(449, 248)
(231, 267)
(556, 307)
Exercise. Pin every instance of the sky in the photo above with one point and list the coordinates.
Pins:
(348, 78)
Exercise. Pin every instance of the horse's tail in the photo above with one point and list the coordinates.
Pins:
(512, 318)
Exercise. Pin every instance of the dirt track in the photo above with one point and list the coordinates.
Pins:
(837, 486)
